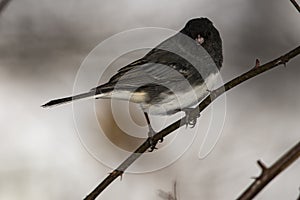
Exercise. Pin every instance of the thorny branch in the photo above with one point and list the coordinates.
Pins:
(214, 94)
(294, 2)
(268, 173)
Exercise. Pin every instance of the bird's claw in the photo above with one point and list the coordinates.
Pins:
(152, 144)
(190, 117)
(161, 140)
(151, 140)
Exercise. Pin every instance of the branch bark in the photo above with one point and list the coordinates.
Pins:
(269, 173)
(166, 131)
(294, 2)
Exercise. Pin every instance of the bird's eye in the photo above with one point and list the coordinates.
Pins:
(209, 34)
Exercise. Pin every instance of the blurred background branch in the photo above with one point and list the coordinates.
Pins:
(169, 195)
(269, 173)
(3, 5)
(214, 94)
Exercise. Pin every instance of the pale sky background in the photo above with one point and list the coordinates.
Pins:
(42, 45)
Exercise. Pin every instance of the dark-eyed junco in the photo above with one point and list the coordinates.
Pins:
(172, 77)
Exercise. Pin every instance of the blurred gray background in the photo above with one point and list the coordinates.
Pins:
(42, 45)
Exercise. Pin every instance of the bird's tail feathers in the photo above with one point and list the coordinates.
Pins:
(65, 100)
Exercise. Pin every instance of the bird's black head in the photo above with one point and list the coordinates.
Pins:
(203, 31)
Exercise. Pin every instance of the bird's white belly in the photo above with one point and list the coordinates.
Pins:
(177, 101)
(182, 100)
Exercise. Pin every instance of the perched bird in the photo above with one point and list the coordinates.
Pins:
(172, 77)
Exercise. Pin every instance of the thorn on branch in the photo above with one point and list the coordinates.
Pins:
(284, 61)
(257, 63)
(262, 166)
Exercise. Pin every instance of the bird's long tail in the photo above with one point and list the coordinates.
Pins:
(57, 102)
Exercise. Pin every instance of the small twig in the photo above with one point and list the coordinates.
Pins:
(213, 95)
(294, 2)
(257, 63)
(262, 165)
(268, 174)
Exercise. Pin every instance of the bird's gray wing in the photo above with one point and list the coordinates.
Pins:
(162, 68)
(152, 74)
(176, 60)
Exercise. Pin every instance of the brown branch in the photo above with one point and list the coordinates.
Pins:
(294, 2)
(3, 4)
(214, 94)
(268, 173)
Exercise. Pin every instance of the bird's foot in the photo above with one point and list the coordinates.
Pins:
(151, 140)
(190, 117)
(152, 144)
